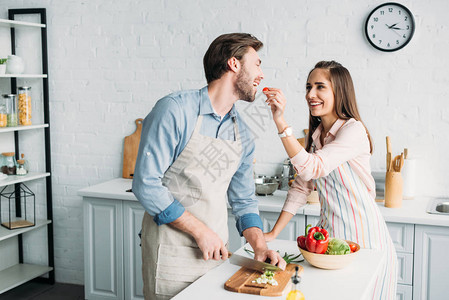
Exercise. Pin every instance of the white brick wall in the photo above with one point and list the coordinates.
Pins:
(111, 60)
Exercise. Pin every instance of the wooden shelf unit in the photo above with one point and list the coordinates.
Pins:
(19, 273)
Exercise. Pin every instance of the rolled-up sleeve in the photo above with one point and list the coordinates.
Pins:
(241, 192)
(350, 141)
(297, 195)
(159, 138)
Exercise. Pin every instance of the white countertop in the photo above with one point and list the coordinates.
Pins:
(112, 189)
(412, 211)
(356, 278)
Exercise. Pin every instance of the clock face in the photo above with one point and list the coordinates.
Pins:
(390, 27)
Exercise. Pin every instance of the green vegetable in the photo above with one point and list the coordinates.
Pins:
(269, 274)
(337, 247)
(3, 61)
(289, 258)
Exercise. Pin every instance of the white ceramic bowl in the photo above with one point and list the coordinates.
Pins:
(329, 262)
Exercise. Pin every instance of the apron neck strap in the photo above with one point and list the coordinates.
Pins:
(198, 124)
(236, 129)
(234, 120)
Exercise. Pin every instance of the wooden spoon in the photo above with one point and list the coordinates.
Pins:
(389, 162)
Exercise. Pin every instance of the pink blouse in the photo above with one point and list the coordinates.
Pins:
(345, 141)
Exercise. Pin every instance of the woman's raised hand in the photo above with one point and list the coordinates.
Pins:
(276, 100)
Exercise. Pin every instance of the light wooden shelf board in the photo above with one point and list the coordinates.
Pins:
(19, 274)
(13, 179)
(23, 75)
(22, 127)
(13, 23)
(6, 233)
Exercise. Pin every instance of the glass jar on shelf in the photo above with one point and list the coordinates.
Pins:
(22, 166)
(11, 109)
(9, 164)
(3, 118)
(24, 105)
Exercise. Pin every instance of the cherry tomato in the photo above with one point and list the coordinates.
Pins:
(353, 247)
(265, 89)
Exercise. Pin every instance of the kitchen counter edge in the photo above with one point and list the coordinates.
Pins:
(412, 211)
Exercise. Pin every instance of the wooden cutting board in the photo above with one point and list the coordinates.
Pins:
(241, 282)
(130, 149)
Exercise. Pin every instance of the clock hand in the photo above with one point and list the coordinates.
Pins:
(396, 33)
(391, 25)
(397, 28)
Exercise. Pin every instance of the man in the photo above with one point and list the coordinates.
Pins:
(195, 154)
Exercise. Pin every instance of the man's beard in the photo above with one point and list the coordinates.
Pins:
(244, 86)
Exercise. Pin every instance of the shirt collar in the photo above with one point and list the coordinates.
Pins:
(337, 125)
(206, 106)
(334, 129)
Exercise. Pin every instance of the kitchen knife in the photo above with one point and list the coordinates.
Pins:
(252, 264)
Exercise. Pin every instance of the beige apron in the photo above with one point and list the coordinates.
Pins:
(199, 180)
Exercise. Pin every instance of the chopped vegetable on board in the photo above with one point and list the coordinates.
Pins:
(266, 277)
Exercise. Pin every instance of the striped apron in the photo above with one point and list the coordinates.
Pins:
(349, 212)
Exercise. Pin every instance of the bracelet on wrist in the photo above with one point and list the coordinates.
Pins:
(287, 132)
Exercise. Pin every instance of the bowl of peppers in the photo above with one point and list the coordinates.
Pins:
(322, 251)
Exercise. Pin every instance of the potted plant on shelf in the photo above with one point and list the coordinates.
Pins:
(3, 65)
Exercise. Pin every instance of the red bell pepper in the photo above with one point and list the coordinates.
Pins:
(301, 240)
(317, 240)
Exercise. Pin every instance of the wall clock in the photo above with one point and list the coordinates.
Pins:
(389, 27)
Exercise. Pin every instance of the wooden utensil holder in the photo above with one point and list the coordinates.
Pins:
(393, 189)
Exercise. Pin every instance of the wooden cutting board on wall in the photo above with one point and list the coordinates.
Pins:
(131, 146)
(242, 282)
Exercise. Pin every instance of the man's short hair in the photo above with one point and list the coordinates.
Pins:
(224, 47)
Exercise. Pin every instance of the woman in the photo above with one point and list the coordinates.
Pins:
(336, 162)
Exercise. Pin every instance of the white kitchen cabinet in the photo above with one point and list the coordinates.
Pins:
(103, 249)
(14, 269)
(292, 230)
(402, 236)
(312, 220)
(404, 292)
(431, 263)
(132, 216)
(405, 268)
(112, 254)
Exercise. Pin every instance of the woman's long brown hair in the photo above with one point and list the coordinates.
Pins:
(344, 95)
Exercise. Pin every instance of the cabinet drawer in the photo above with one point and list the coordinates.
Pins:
(404, 292)
(402, 236)
(405, 268)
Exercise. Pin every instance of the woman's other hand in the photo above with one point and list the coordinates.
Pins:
(276, 100)
(269, 236)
